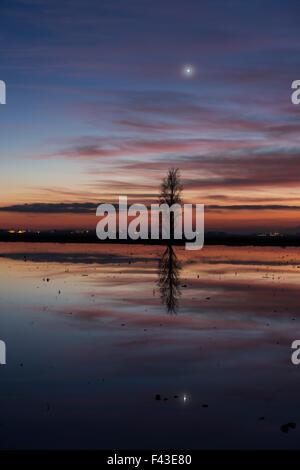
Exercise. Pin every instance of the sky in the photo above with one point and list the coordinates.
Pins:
(98, 106)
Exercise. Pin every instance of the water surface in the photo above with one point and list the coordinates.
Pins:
(95, 332)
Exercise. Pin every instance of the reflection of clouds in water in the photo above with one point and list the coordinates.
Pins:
(250, 262)
(74, 258)
(169, 268)
(215, 356)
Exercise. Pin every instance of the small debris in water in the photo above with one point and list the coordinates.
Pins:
(286, 427)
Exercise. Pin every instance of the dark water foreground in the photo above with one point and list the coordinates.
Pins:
(115, 347)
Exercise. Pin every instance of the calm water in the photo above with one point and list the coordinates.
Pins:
(94, 333)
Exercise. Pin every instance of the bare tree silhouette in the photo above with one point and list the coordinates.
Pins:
(169, 268)
(171, 188)
(170, 193)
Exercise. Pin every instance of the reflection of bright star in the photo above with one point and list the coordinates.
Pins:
(188, 70)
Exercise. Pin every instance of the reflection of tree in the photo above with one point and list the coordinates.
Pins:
(169, 268)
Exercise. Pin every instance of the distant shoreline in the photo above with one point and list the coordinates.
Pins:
(91, 238)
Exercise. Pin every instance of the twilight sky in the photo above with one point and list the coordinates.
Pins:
(98, 106)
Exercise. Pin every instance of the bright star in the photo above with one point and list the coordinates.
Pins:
(188, 70)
